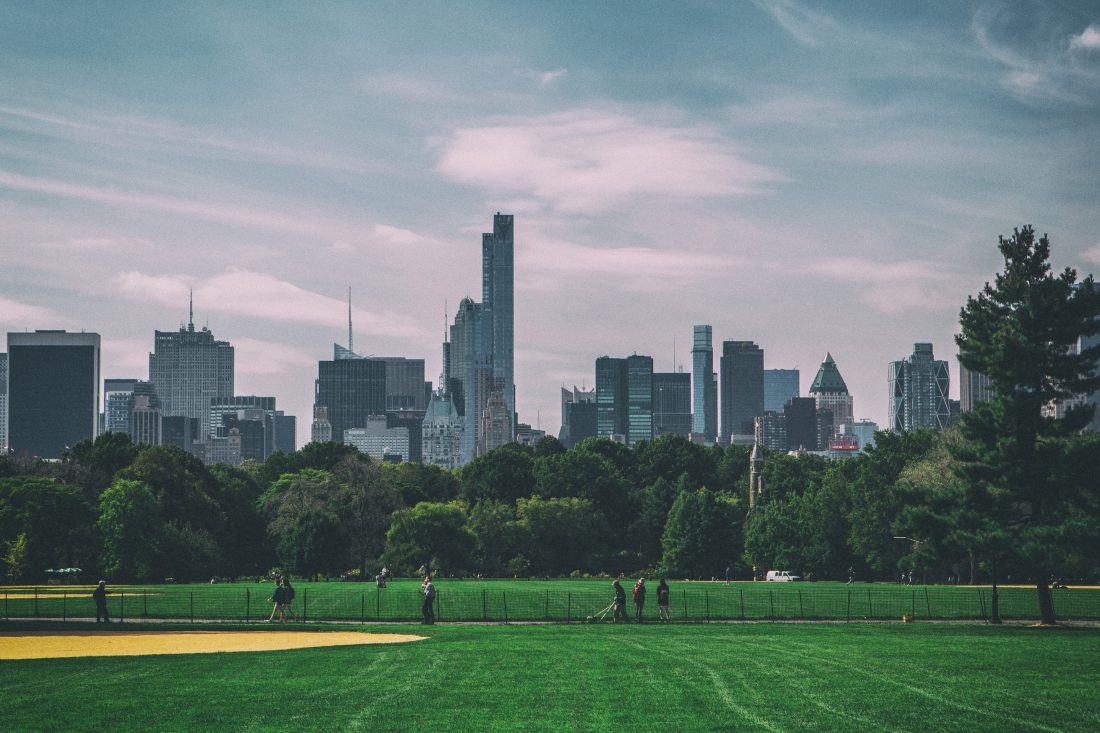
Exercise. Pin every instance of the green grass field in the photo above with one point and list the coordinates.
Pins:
(744, 677)
(550, 600)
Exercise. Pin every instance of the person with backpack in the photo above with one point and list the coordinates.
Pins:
(427, 610)
(278, 598)
(639, 599)
(288, 598)
(662, 602)
(99, 595)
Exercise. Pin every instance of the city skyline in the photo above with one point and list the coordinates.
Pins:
(815, 181)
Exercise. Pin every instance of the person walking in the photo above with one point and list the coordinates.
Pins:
(620, 601)
(428, 589)
(277, 600)
(662, 602)
(100, 597)
(639, 599)
(729, 574)
(851, 575)
(288, 599)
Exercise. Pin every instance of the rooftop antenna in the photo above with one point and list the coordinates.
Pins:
(191, 309)
(351, 344)
(674, 353)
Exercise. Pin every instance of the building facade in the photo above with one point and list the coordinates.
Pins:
(53, 391)
(672, 404)
(578, 416)
(742, 389)
(780, 387)
(441, 433)
(3, 404)
(190, 369)
(918, 388)
(974, 387)
(350, 390)
(146, 424)
(704, 387)
(118, 405)
(378, 440)
(831, 393)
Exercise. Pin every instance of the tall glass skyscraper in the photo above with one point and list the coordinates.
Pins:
(780, 387)
(3, 404)
(498, 295)
(350, 391)
(918, 391)
(53, 391)
(671, 403)
(189, 369)
(831, 393)
(704, 390)
(742, 393)
(639, 377)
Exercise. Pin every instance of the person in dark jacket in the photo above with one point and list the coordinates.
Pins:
(427, 609)
(620, 601)
(288, 599)
(278, 599)
(662, 602)
(100, 597)
(639, 599)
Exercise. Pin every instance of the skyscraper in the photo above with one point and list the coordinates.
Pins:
(118, 404)
(918, 391)
(780, 387)
(611, 397)
(350, 390)
(672, 403)
(704, 390)
(578, 415)
(189, 369)
(146, 416)
(441, 433)
(802, 424)
(53, 391)
(831, 393)
(3, 404)
(639, 398)
(974, 387)
(742, 389)
(497, 293)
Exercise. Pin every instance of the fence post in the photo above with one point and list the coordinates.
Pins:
(547, 605)
(36, 603)
(913, 607)
(362, 608)
(145, 602)
(64, 605)
(192, 606)
(742, 592)
(5, 605)
(484, 604)
(377, 605)
(870, 608)
(305, 604)
(122, 607)
(771, 605)
(437, 605)
(706, 604)
(848, 618)
(801, 610)
(685, 603)
(927, 603)
(568, 607)
(981, 602)
(504, 599)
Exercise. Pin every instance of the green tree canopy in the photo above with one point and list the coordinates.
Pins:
(564, 534)
(132, 531)
(503, 474)
(430, 533)
(701, 537)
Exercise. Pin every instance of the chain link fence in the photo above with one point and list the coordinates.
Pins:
(690, 603)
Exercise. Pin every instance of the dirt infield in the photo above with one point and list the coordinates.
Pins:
(57, 644)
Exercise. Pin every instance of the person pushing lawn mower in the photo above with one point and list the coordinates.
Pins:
(620, 602)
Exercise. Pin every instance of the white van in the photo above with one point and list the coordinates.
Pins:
(781, 576)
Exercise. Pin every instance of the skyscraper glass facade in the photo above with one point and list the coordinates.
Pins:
(351, 390)
(672, 403)
(918, 391)
(190, 369)
(639, 399)
(704, 395)
(742, 388)
(780, 386)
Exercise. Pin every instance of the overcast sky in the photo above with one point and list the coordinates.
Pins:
(813, 177)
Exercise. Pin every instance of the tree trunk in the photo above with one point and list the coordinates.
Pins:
(994, 603)
(1046, 604)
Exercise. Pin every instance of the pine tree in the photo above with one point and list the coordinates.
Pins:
(1020, 495)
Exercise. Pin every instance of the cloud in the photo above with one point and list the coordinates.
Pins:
(549, 77)
(125, 358)
(1092, 254)
(255, 357)
(15, 315)
(244, 293)
(628, 263)
(1087, 40)
(808, 27)
(890, 287)
(407, 87)
(592, 159)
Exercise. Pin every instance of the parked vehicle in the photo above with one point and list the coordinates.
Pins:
(782, 576)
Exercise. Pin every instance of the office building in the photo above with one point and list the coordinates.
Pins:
(639, 399)
(863, 431)
(146, 416)
(226, 414)
(286, 427)
(413, 422)
(441, 432)
(351, 391)
(780, 387)
(377, 440)
(321, 428)
(704, 387)
(53, 391)
(974, 387)
(527, 435)
(672, 404)
(831, 393)
(3, 404)
(771, 430)
(918, 388)
(118, 405)
(578, 416)
(182, 432)
(1091, 342)
(624, 398)
(190, 369)
(802, 423)
(495, 427)
(742, 389)
(497, 293)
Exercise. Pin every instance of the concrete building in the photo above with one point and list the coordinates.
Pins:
(146, 416)
(578, 416)
(771, 430)
(742, 389)
(672, 404)
(863, 431)
(441, 432)
(190, 369)
(378, 440)
(495, 427)
(918, 388)
(118, 405)
(53, 391)
(802, 424)
(831, 393)
(182, 432)
(321, 428)
(351, 390)
(704, 386)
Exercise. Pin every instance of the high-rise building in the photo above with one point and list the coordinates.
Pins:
(1091, 342)
(742, 389)
(377, 440)
(53, 391)
(639, 376)
(863, 431)
(611, 397)
(780, 387)
(351, 390)
(578, 415)
(802, 423)
(3, 404)
(771, 430)
(704, 389)
(182, 432)
(974, 387)
(189, 369)
(146, 416)
(320, 430)
(441, 433)
(286, 438)
(672, 403)
(831, 393)
(918, 391)
(498, 294)
(118, 404)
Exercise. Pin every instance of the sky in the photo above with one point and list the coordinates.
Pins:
(825, 177)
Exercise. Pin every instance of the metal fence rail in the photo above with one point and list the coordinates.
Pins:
(753, 602)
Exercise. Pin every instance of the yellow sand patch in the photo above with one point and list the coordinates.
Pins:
(55, 644)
